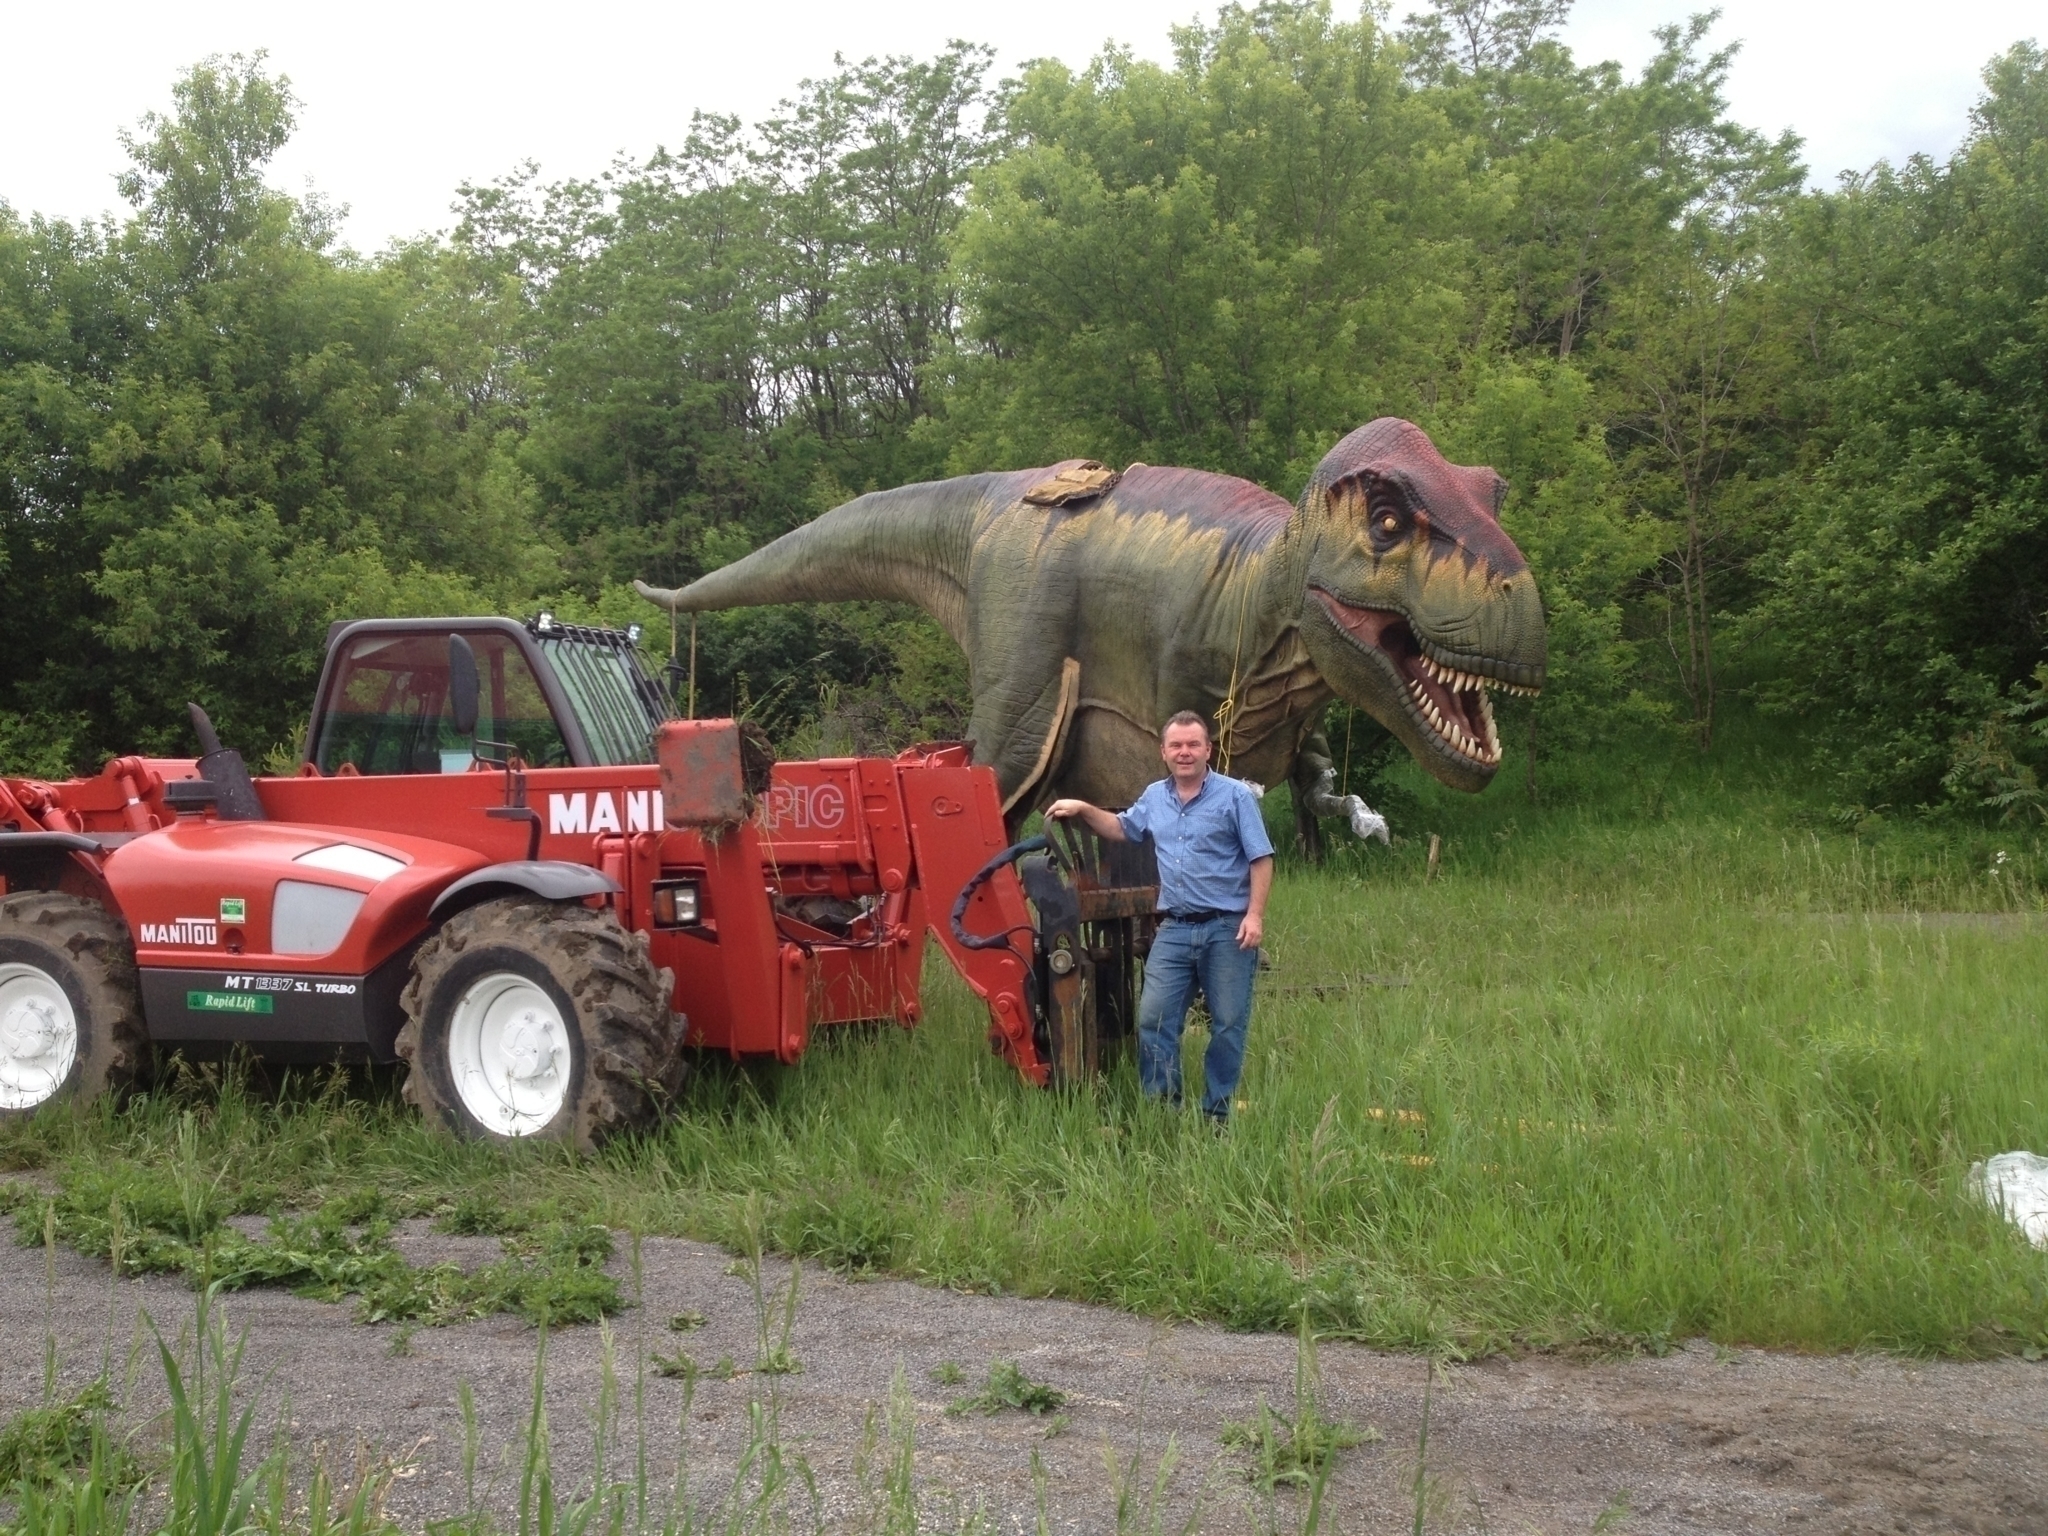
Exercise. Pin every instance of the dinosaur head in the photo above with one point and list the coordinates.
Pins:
(1417, 602)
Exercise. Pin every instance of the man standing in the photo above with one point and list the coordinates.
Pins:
(1215, 871)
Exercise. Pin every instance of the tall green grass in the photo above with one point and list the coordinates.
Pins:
(1704, 1068)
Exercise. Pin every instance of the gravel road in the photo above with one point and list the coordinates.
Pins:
(1702, 1440)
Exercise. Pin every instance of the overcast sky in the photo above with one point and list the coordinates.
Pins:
(404, 101)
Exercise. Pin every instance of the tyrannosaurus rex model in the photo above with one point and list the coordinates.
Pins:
(1094, 605)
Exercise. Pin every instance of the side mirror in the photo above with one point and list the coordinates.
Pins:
(462, 685)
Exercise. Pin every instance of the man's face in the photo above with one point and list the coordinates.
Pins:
(1185, 749)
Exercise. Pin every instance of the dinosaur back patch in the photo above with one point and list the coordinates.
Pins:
(1076, 482)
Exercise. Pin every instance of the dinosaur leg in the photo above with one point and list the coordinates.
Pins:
(1310, 764)
(1024, 744)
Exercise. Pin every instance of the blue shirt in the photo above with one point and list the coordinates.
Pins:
(1205, 847)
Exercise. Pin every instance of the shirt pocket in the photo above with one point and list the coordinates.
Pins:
(1215, 841)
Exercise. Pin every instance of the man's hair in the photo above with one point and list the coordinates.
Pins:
(1187, 717)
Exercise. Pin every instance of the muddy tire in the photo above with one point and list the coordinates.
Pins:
(70, 1008)
(530, 1018)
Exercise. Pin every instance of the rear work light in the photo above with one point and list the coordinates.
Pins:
(675, 904)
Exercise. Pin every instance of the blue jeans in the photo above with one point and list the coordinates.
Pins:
(1183, 955)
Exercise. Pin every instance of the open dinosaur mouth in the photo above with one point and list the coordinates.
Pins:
(1448, 702)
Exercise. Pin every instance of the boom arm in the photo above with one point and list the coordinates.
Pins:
(905, 835)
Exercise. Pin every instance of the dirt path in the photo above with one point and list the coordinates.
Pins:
(1699, 1441)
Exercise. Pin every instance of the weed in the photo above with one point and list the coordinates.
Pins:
(476, 1214)
(947, 1373)
(401, 1339)
(675, 1363)
(893, 1506)
(1610, 1518)
(42, 1445)
(1297, 1451)
(1425, 1488)
(1140, 1502)
(552, 1275)
(772, 1356)
(1008, 1387)
(686, 1322)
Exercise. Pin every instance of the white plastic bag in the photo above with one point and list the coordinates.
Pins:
(2016, 1184)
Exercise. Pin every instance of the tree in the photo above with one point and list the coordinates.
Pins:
(867, 174)
(221, 435)
(1223, 264)
(1698, 357)
(1474, 37)
(195, 177)
(1909, 576)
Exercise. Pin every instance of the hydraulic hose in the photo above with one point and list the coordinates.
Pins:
(981, 878)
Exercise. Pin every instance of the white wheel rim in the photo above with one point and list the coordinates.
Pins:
(508, 1052)
(38, 1036)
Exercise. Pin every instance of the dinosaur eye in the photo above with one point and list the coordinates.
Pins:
(1387, 523)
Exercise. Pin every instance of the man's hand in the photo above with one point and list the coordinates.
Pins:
(1253, 929)
(1102, 823)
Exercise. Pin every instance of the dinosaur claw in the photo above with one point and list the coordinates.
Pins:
(1367, 822)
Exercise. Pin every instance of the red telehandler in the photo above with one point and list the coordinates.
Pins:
(504, 862)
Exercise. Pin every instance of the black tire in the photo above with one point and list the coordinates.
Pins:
(81, 949)
(623, 1045)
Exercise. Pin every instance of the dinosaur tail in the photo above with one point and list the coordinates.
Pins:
(906, 545)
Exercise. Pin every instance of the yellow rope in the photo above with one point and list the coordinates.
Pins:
(1226, 712)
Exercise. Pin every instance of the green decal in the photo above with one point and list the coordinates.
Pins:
(228, 1002)
(234, 909)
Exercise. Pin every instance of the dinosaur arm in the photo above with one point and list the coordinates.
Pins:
(1315, 783)
(907, 545)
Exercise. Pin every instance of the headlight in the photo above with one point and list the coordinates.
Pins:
(675, 904)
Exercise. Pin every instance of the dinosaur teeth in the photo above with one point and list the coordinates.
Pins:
(1481, 744)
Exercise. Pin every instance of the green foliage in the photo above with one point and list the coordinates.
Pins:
(144, 1223)
(1008, 1387)
(1225, 264)
(1999, 765)
(41, 1446)
(238, 436)
(1300, 1450)
(1906, 589)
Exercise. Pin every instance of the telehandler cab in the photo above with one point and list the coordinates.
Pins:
(504, 862)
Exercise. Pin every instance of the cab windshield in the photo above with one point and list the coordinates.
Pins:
(388, 708)
(614, 700)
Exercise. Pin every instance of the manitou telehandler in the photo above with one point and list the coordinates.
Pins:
(504, 862)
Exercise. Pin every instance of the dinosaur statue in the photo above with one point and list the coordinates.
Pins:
(1092, 605)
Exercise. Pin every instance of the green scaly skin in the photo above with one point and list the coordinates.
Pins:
(1390, 585)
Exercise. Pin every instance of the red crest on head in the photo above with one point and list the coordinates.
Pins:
(1462, 502)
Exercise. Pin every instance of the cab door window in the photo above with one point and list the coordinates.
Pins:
(388, 711)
